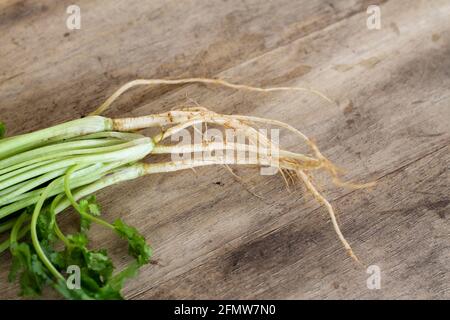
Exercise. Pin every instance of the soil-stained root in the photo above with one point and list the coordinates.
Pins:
(296, 166)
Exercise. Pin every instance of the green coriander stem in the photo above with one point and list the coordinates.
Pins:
(14, 145)
(76, 205)
(34, 236)
(53, 221)
(7, 225)
(16, 228)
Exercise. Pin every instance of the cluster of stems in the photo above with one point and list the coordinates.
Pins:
(57, 166)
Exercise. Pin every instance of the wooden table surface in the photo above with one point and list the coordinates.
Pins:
(213, 238)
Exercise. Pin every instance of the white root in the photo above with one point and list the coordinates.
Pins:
(189, 117)
(223, 83)
(151, 168)
(209, 147)
(330, 209)
(201, 162)
(288, 162)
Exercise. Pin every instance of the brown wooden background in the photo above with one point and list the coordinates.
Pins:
(212, 238)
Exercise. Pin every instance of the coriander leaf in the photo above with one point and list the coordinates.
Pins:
(45, 228)
(90, 206)
(96, 267)
(78, 240)
(112, 289)
(33, 275)
(2, 130)
(57, 259)
(21, 259)
(99, 262)
(137, 247)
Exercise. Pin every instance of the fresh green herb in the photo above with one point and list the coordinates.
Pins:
(42, 173)
(90, 206)
(31, 271)
(96, 267)
(137, 247)
(2, 130)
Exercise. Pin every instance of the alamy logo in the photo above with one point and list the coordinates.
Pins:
(230, 145)
(74, 19)
(374, 18)
(74, 279)
(374, 280)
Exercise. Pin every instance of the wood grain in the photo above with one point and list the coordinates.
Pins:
(216, 240)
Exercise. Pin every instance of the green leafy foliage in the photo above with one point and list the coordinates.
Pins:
(97, 280)
(2, 130)
(45, 228)
(90, 206)
(33, 276)
(137, 247)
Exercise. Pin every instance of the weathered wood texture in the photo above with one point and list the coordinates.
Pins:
(217, 240)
